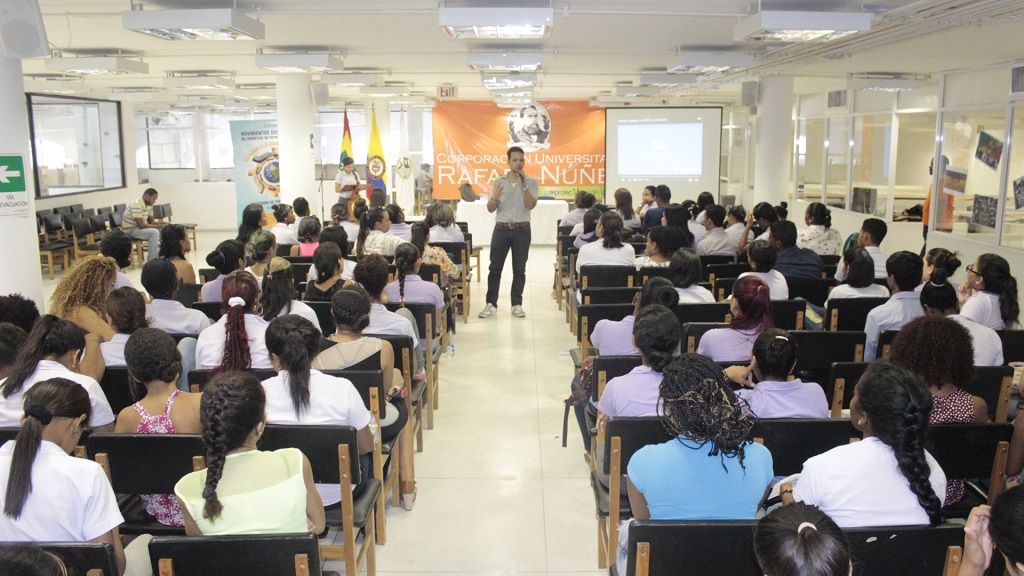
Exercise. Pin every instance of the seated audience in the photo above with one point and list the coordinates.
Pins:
(279, 484)
(309, 237)
(117, 245)
(155, 366)
(725, 473)
(1001, 528)
(941, 259)
(408, 287)
(989, 295)
(819, 236)
(236, 341)
(301, 206)
(610, 250)
(763, 215)
(904, 270)
(584, 201)
(399, 227)
(421, 238)
(340, 217)
(870, 237)
(662, 243)
(50, 496)
(373, 234)
(624, 208)
(12, 338)
(81, 295)
(751, 310)
(278, 296)
(443, 228)
(762, 257)
(304, 396)
(587, 229)
(262, 246)
(372, 274)
(652, 216)
(329, 265)
(716, 241)
(160, 279)
(704, 199)
(174, 245)
(735, 225)
(685, 272)
(284, 217)
(939, 298)
(793, 262)
(18, 310)
(227, 258)
(776, 394)
(646, 200)
(888, 478)
(126, 311)
(800, 540)
(860, 277)
(253, 219)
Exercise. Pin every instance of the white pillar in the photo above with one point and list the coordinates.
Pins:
(295, 140)
(773, 154)
(18, 234)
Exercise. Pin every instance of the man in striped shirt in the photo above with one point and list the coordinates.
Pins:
(139, 224)
(903, 271)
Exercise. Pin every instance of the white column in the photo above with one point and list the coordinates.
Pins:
(295, 140)
(18, 234)
(773, 153)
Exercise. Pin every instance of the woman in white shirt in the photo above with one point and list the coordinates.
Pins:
(610, 250)
(399, 227)
(860, 277)
(761, 257)
(819, 236)
(235, 342)
(373, 234)
(888, 478)
(126, 312)
(282, 230)
(258, 251)
(52, 350)
(278, 296)
(624, 208)
(989, 295)
(751, 310)
(443, 228)
(227, 258)
(662, 243)
(50, 496)
(685, 272)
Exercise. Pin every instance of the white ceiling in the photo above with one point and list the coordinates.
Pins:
(594, 44)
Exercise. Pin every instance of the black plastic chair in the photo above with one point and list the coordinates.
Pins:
(850, 313)
(723, 288)
(605, 276)
(793, 440)
(403, 350)
(842, 378)
(971, 452)
(885, 338)
(245, 555)
(589, 315)
(608, 367)
(213, 310)
(816, 351)
(117, 388)
(789, 314)
(79, 558)
(814, 290)
(703, 312)
(188, 294)
(608, 295)
(647, 272)
(729, 270)
(992, 384)
(693, 331)
(1013, 345)
(429, 326)
(710, 259)
(324, 316)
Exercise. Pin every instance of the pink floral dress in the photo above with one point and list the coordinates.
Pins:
(163, 506)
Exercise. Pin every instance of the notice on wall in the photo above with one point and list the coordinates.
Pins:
(14, 200)
(990, 150)
(954, 181)
(984, 211)
(257, 171)
(1018, 193)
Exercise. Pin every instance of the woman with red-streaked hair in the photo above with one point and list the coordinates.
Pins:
(236, 341)
(751, 309)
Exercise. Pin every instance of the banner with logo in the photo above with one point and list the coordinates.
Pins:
(563, 142)
(257, 170)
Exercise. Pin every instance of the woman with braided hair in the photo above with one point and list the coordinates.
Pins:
(800, 540)
(50, 496)
(261, 247)
(154, 367)
(711, 470)
(236, 341)
(243, 489)
(888, 478)
(408, 288)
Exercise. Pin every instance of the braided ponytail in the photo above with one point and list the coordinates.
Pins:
(406, 256)
(240, 293)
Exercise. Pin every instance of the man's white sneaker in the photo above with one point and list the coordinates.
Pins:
(518, 312)
(488, 311)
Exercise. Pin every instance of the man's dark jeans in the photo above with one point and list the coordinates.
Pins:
(503, 240)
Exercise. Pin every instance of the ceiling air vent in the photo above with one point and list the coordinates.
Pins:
(1017, 81)
(837, 99)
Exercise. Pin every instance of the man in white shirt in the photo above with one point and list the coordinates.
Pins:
(736, 224)
(138, 222)
(872, 232)
(716, 240)
(160, 279)
(904, 273)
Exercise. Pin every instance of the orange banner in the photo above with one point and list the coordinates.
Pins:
(563, 142)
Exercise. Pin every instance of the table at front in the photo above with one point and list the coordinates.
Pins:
(543, 220)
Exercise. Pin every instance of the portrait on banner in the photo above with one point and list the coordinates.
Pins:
(529, 127)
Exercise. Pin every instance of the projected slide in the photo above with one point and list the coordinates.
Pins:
(660, 149)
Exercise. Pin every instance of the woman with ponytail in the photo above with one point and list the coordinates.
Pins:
(308, 235)
(284, 216)
(776, 394)
(939, 259)
(408, 288)
(235, 342)
(304, 396)
(373, 234)
(939, 298)
(800, 540)
(610, 250)
(260, 248)
(278, 296)
(154, 367)
(227, 258)
(253, 219)
(329, 263)
(989, 295)
(888, 478)
(50, 496)
(52, 350)
(279, 484)
(751, 309)
(819, 236)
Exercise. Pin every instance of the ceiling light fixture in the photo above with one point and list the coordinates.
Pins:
(790, 26)
(634, 91)
(97, 65)
(405, 90)
(520, 20)
(504, 61)
(200, 82)
(352, 79)
(198, 24)
(665, 79)
(511, 92)
(711, 62)
(894, 83)
(300, 63)
(510, 80)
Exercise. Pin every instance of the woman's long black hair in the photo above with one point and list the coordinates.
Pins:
(295, 342)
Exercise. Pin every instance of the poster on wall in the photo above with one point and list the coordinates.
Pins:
(990, 150)
(1018, 193)
(257, 170)
(984, 211)
(954, 181)
(563, 142)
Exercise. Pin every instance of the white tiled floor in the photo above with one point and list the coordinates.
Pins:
(497, 493)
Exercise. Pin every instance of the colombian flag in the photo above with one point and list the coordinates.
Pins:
(346, 143)
(376, 166)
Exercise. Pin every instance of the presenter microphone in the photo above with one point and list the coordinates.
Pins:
(512, 198)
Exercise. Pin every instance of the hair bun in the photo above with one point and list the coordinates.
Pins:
(39, 412)
(939, 276)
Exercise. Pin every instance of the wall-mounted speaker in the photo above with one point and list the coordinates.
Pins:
(21, 29)
(748, 94)
(321, 94)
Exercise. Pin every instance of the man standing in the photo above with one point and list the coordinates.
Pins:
(512, 197)
(138, 222)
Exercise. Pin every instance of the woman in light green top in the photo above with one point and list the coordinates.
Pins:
(243, 490)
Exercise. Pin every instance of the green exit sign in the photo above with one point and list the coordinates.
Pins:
(12, 174)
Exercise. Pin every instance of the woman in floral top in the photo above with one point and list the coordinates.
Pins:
(432, 254)
(819, 235)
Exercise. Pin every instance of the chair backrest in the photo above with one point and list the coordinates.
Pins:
(968, 451)
(422, 312)
(324, 315)
(80, 558)
(814, 290)
(320, 444)
(723, 288)
(703, 312)
(188, 294)
(98, 222)
(299, 259)
(116, 220)
(885, 338)
(105, 210)
(211, 309)
(52, 223)
(81, 227)
(830, 259)
(63, 210)
(710, 259)
(283, 250)
(850, 313)
(816, 351)
(207, 274)
(792, 441)
(77, 207)
(992, 384)
(158, 212)
(728, 270)
(608, 367)
(633, 434)
(300, 271)
(243, 555)
(564, 230)
(1013, 345)
(403, 348)
(464, 226)
(605, 276)
(789, 314)
(147, 463)
(199, 378)
(588, 315)
(8, 434)
(364, 381)
(430, 273)
(608, 295)
(842, 379)
(647, 272)
(458, 252)
(120, 208)
(117, 388)
(693, 331)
